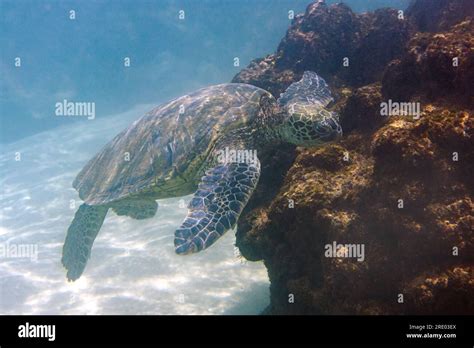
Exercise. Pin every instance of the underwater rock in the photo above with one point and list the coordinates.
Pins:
(400, 186)
(357, 201)
(319, 39)
(442, 292)
(362, 109)
(327, 38)
(383, 37)
(275, 164)
(437, 15)
(436, 67)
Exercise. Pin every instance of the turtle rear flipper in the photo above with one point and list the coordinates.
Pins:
(80, 237)
(216, 206)
(138, 209)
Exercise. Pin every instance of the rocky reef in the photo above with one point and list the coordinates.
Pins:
(325, 37)
(402, 185)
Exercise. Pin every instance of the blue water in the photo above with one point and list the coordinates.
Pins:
(133, 268)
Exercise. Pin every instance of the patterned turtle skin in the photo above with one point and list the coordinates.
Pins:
(176, 149)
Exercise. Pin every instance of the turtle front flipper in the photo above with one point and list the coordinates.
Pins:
(138, 209)
(80, 237)
(216, 206)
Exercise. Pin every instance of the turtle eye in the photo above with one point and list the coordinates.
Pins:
(321, 127)
(328, 128)
(331, 122)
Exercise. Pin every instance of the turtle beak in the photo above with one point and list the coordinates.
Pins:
(336, 127)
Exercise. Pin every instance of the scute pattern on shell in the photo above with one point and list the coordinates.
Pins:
(162, 144)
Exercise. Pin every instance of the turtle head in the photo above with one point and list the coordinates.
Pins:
(307, 122)
(310, 126)
(300, 114)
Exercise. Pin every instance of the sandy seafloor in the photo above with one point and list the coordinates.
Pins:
(133, 268)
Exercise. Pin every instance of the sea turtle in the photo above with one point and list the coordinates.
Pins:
(206, 142)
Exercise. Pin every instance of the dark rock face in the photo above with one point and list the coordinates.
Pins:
(330, 31)
(382, 41)
(319, 41)
(275, 164)
(427, 71)
(442, 292)
(362, 109)
(356, 201)
(439, 15)
(349, 192)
